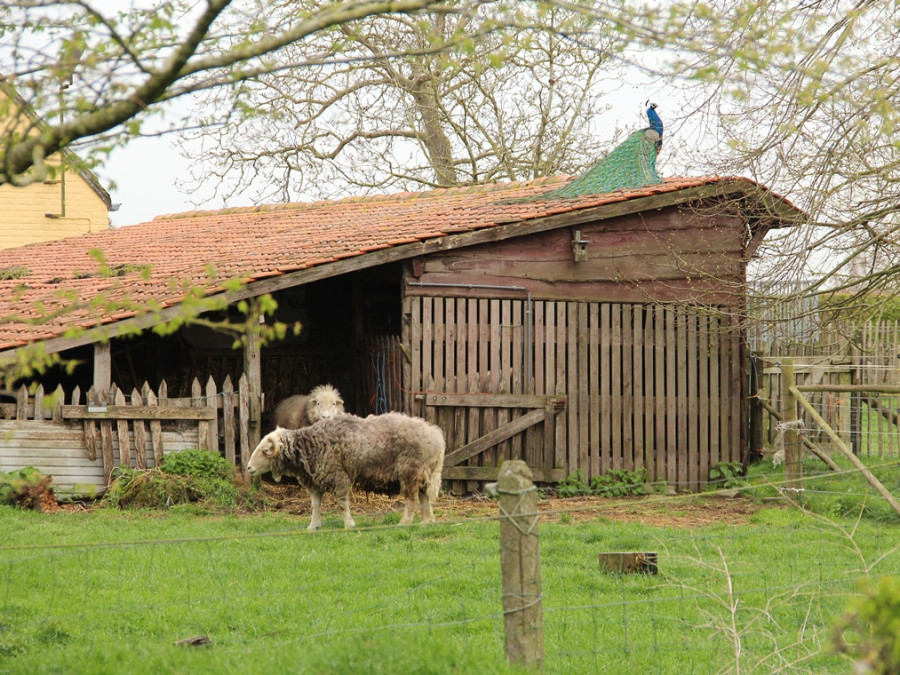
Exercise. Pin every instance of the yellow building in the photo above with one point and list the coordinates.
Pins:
(72, 202)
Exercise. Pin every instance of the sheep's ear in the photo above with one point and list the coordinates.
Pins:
(272, 449)
(340, 401)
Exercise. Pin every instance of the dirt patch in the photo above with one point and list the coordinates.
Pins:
(671, 511)
(686, 511)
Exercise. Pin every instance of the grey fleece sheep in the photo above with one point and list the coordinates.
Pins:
(389, 454)
(302, 410)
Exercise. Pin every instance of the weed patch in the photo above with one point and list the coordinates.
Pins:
(191, 477)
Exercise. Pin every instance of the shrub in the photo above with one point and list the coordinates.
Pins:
(727, 475)
(620, 482)
(197, 463)
(613, 483)
(869, 630)
(26, 488)
(190, 476)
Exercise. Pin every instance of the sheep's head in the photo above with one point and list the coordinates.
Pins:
(325, 402)
(262, 459)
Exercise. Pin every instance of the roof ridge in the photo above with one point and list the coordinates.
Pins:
(434, 193)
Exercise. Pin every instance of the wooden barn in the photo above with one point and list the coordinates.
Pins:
(542, 320)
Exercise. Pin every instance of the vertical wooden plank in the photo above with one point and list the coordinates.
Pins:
(649, 402)
(562, 434)
(150, 398)
(440, 338)
(715, 395)
(503, 414)
(693, 365)
(659, 393)
(793, 469)
(59, 398)
(228, 419)
(517, 347)
(637, 357)
(552, 420)
(411, 347)
(703, 396)
(39, 403)
(446, 376)
(606, 389)
(616, 389)
(628, 378)
(140, 433)
(673, 426)
(202, 425)
(582, 343)
(439, 369)
(491, 456)
(106, 438)
(90, 427)
(473, 415)
(538, 331)
(428, 350)
(572, 386)
(22, 403)
(594, 387)
(724, 389)
(736, 412)
(462, 378)
(538, 438)
(212, 400)
(102, 366)
(122, 436)
(244, 394)
(686, 361)
(253, 371)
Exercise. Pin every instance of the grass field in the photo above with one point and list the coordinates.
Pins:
(105, 591)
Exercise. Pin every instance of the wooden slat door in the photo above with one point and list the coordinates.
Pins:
(621, 386)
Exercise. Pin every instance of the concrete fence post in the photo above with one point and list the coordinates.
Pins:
(520, 560)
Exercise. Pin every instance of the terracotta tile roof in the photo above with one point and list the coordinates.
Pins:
(47, 290)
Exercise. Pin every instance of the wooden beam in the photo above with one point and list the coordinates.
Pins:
(493, 400)
(253, 370)
(862, 388)
(102, 366)
(490, 473)
(491, 439)
(848, 453)
(129, 412)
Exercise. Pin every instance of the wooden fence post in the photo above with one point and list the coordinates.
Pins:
(520, 560)
(793, 470)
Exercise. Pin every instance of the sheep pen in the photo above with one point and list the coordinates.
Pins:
(385, 454)
(302, 410)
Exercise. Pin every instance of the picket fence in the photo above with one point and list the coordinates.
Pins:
(81, 443)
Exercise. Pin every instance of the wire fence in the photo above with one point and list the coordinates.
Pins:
(761, 595)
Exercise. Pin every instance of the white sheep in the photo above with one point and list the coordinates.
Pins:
(388, 454)
(302, 410)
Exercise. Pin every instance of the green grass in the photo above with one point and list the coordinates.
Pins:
(110, 592)
(845, 493)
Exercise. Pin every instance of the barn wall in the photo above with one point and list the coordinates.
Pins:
(673, 254)
(649, 386)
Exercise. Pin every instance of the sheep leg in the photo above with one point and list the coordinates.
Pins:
(425, 503)
(409, 505)
(344, 502)
(316, 499)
